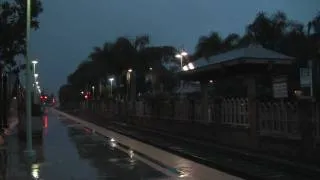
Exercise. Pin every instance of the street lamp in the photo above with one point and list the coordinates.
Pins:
(37, 83)
(36, 76)
(34, 62)
(111, 80)
(92, 91)
(190, 66)
(185, 68)
(128, 82)
(183, 53)
(180, 56)
(29, 152)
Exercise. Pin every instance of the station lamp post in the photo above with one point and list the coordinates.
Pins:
(93, 92)
(128, 82)
(180, 56)
(34, 62)
(111, 80)
(29, 152)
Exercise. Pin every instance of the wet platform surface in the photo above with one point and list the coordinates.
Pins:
(69, 151)
(231, 163)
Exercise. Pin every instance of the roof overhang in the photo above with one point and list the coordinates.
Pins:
(235, 63)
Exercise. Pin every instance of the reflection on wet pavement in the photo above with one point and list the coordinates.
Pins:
(70, 151)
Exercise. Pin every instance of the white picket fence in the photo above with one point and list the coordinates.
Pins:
(275, 118)
(279, 118)
(234, 111)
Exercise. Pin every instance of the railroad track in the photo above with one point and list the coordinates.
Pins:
(242, 165)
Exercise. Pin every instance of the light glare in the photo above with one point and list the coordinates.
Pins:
(183, 53)
(191, 66)
(185, 68)
(34, 62)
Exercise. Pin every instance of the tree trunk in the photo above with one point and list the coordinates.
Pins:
(1, 96)
(3, 99)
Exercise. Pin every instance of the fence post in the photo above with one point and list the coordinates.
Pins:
(252, 110)
(217, 106)
(306, 126)
(204, 101)
(4, 100)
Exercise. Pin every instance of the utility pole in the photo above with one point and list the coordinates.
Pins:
(29, 152)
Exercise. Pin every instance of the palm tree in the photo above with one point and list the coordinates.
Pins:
(116, 58)
(214, 44)
(12, 27)
(208, 45)
(155, 57)
(268, 31)
(141, 42)
(103, 64)
(231, 41)
(314, 24)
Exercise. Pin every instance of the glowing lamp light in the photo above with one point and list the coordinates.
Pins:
(191, 66)
(131, 153)
(178, 56)
(34, 62)
(183, 53)
(185, 68)
(86, 96)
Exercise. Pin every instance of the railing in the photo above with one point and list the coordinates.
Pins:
(274, 118)
(278, 118)
(235, 111)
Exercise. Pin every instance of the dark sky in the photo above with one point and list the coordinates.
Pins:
(69, 29)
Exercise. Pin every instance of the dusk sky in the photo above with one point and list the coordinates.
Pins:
(69, 29)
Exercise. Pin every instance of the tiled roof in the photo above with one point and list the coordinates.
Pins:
(252, 51)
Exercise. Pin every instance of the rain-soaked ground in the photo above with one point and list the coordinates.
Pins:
(232, 163)
(69, 151)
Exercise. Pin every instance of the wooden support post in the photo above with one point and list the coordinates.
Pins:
(204, 101)
(252, 110)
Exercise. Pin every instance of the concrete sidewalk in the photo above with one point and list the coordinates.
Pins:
(68, 151)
